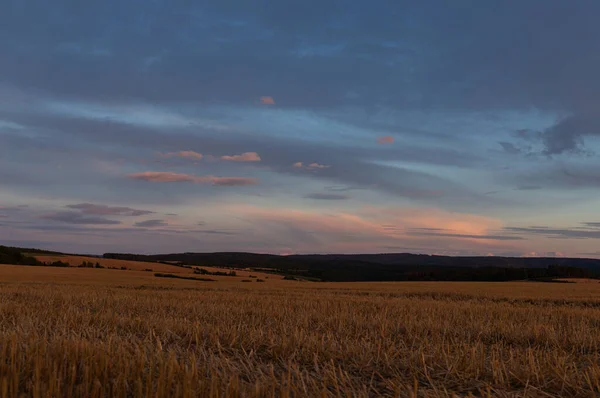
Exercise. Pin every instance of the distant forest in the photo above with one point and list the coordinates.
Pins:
(388, 267)
(16, 256)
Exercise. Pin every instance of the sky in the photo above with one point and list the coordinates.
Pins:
(440, 127)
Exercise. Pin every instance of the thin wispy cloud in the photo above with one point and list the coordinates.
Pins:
(72, 217)
(151, 223)
(451, 234)
(184, 154)
(169, 177)
(327, 196)
(310, 166)
(103, 210)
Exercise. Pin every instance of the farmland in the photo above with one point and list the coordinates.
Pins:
(75, 261)
(102, 332)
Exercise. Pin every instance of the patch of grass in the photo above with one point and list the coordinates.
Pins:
(203, 271)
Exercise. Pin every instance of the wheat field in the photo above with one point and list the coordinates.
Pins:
(104, 333)
(74, 261)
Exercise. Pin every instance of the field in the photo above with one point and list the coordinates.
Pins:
(105, 333)
(142, 266)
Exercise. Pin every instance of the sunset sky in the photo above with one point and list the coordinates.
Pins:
(446, 127)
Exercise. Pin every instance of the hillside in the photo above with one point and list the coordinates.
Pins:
(389, 267)
(331, 268)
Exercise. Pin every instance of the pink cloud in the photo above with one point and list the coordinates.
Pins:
(317, 166)
(373, 229)
(267, 100)
(386, 139)
(160, 176)
(244, 157)
(184, 154)
(231, 181)
(311, 166)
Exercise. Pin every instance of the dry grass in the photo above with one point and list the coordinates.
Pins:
(115, 263)
(74, 261)
(579, 280)
(94, 332)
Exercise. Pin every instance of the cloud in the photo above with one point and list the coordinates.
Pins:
(244, 157)
(450, 234)
(589, 232)
(314, 166)
(387, 139)
(102, 210)
(543, 254)
(509, 147)
(151, 223)
(346, 188)
(568, 134)
(528, 188)
(160, 176)
(526, 73)
(582, 175)
(14, 208)
(593, 254)
(231, 181)
(184, 154)
(372, 227)
(163, 176)
(327, 196)
(311, 166)
(72, 217)
(267, 101)
(6, 210)
(355, 164)
(216, 232)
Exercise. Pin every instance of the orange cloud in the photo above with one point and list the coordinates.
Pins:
(184, 154)
(374, 229)
(386, 139)
(159, 176)
(458, 223)
(267, 101)
(244, 157)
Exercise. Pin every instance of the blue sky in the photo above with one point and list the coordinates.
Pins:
(301, 127)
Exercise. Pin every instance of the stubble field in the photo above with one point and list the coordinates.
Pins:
(108, 333)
